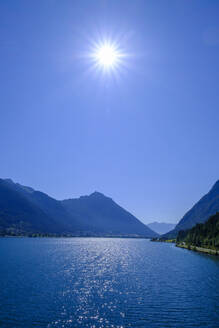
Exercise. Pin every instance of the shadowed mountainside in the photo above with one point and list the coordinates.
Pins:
(101, 214)
(199, 213)
(204, 235)
(24, 210)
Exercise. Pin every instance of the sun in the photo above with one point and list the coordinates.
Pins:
(107, 56)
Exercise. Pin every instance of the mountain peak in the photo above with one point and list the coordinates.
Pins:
(30, 211)
(94, 195)
(161, 227)
(97, 194)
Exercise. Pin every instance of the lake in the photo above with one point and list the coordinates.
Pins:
(103, 282)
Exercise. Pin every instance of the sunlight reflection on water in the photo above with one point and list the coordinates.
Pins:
(97, 282)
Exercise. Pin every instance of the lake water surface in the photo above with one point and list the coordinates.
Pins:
(100, 282)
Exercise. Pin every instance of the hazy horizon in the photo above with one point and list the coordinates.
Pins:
(145, 135)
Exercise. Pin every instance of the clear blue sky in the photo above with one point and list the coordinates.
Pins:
(148, 138)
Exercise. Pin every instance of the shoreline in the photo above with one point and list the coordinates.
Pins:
(113, 237)
(199, 249)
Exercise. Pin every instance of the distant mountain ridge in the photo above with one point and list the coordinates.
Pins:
(161, 227)
(207, 206)
(24, 210)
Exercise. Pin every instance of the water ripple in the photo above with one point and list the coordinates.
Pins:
(106, 283)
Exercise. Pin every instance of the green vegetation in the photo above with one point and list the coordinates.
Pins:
(164, 240)
(204, 235)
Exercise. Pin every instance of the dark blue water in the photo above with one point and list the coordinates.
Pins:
(88, 282)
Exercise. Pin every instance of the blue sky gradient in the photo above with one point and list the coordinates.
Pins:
(147, 135)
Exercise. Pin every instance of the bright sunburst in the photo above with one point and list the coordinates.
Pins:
(107, 55)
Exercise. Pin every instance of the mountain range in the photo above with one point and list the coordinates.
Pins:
(24, 210)
(161, 227)
(207, 206)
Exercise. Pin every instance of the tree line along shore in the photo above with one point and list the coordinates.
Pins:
(203, 237)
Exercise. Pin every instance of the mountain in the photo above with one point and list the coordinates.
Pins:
(17, 212)
(101, 214)
(204, 235)
(21, 211)
(200, 212)
(24, 210)
(161, 227)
